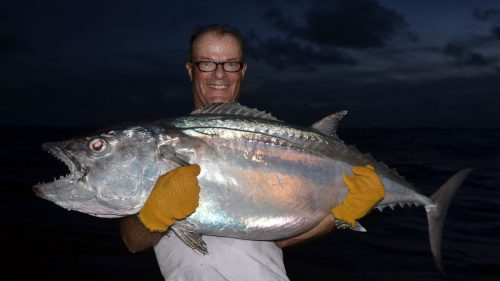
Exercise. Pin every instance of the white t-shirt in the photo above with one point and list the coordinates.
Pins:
(227, 259)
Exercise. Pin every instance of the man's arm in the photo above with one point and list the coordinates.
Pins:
(174, 197)
(365, 191)
(136, 236)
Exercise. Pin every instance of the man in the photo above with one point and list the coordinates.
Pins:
(216, 69)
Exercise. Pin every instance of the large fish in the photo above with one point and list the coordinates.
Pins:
(261, 179)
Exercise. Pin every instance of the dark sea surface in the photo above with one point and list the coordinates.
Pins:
(42, 241)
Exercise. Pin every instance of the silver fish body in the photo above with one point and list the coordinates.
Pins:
(270, 180)
(261, 179)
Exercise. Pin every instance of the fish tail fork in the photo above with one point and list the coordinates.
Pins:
(437, 212)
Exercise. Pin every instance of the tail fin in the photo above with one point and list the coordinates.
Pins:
(436, 213)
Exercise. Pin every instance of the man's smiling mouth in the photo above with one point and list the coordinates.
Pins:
(218, 87)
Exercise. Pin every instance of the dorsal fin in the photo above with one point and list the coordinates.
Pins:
(330, 123)
(234, 109)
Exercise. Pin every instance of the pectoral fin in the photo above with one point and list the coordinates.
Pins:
(192, 239)
(177, 155)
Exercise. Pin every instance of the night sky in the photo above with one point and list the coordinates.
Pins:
(390, 63)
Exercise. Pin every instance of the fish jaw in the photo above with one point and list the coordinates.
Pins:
(74, 196)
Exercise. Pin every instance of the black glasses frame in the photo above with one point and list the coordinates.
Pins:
(223, 63)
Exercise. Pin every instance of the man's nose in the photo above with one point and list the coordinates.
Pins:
(219, 72)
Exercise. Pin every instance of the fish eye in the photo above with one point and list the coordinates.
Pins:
(97, 145)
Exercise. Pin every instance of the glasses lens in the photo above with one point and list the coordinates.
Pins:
(231, 66)
(207, 65)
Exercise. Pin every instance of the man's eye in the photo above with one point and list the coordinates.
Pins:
(97, 145)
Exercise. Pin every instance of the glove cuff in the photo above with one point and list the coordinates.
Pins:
(154, 221)
(342, 215)
(340, 224)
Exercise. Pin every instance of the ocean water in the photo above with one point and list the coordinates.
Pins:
(44, 241)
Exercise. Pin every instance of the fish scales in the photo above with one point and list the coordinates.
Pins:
(309, 146)
(309, 140)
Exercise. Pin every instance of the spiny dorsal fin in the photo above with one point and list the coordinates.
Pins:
(330, 123)
(370, 157)
(354, 149)
(234, 109)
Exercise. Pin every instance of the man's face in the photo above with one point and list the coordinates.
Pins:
(219, 85)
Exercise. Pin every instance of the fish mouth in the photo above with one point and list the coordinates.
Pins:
(76, 170)
(69, 187)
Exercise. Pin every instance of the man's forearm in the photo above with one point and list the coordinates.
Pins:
(136, 236)
(323, 228)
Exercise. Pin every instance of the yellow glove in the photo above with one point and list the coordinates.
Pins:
(365, 191)
(175, 196)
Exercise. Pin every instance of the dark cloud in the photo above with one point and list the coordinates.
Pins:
(353, 24)
(326, 26)
(489, 15)
(276, 17)
(343, 23)
(465, 57)
(289, 53)
(485, 14)
(496, 31)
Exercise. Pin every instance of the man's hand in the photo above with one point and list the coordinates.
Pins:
(365, 191)
(175, 196)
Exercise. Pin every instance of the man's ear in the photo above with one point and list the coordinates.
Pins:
(243, 70)
(189, 68)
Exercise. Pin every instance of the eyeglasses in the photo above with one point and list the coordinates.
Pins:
(209, 66)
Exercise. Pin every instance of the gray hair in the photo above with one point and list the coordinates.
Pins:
(217, 29)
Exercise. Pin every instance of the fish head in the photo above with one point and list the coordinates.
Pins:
(111, 173)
